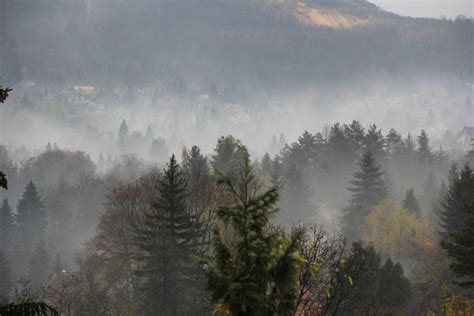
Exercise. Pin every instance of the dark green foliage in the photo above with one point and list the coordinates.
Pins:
(255, 271)
(368, 189)
(374, 142)
(411, 203)
(457, 221)
(7, 226)
(6, 278)
(230, 156)
(376, 289)
(168, 242)
(393, 144)
(31, 218)
(425, 154)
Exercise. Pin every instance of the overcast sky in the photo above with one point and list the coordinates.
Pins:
(428, 8)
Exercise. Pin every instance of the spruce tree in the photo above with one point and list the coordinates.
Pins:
(31, 218)
(7, 225)
(267, 164)
(229, 155)
(425, 153)
(374, 142)
(167, 241)
(122, 136)
(368, 189)
(457, 222)
(254, 272)
(411, 203)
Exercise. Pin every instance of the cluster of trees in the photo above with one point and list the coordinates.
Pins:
(211, 234)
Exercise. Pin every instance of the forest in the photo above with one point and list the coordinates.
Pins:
(235, 158)
(358, 222)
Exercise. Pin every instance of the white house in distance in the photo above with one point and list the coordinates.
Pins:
(466, 138)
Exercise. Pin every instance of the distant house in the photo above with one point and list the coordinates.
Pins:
(466, 138)
(84, 89)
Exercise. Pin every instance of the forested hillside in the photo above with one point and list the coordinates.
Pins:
(233, 45)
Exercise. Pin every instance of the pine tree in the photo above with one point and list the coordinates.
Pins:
(425, 153)
(256, 274)
(411, 203)
(229, 155)
(368, 189)
(374, 142)
(7, 225)
(31, 218)
(39, 270)
(6, 282)
(167, 241)
(457, 222)
(122, 136)
(266, 165)
(356, 136)
(276, 176)
(393, 144)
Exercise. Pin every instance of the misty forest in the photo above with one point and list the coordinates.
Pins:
(235, 157)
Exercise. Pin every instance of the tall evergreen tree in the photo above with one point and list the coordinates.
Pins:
(356, 136)
(122, 136)
(229, 155)
(31, 218)
(411, 203)
(266, 164)
(457, 222)
(167, 241)
(368, 189)
(393, 144)
(256, 274)
(425, 153)
(375, 142)
(7, 225)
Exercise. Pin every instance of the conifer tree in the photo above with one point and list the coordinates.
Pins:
(122, 136)
(6, 278)
(393, 144)
(356, 136)
(31, 218)
(276, 176)
(256, 274)
(167, 241)
(266, 164)
(457, 221)
(374, 142)
(368, 189)
(410, 202)
(229, 155)
(425, 153)
(7, 225)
